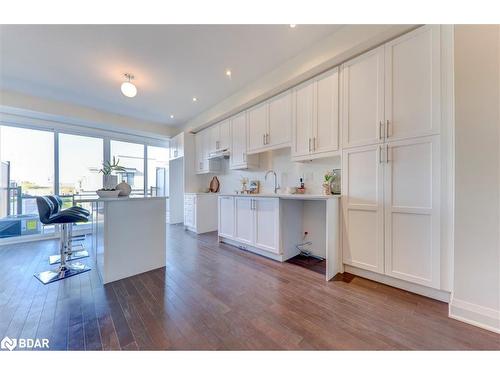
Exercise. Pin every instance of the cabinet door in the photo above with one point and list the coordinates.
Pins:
(280, 120)
(362, 207)
(198, 150)
(189, 210)
(225, 135)
(180, 145)
(257, 127)
(303, 119)
(244, 220)
(326, 128)
(412, 213)
(363, 99)
(412, 88)
(213, 136)
(205, 141)
(226, 217)
(173, 148)
(238, 140)
(267, 224)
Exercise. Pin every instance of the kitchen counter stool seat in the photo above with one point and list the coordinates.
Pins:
(65, 218)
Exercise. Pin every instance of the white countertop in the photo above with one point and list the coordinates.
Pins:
(284, 196)
(202, 193)
(117, 199)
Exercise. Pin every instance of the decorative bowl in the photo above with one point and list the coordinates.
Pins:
(108, 193)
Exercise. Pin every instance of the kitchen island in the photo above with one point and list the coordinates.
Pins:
(273, 225)
(128, 235)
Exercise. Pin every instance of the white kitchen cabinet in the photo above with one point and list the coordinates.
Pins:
(177, 146)
(413, 84)
(269, 124)
(219, 137)
(412, 210)
(239, 159)
(226, 217)
(200, 212)
(363, 207)
(202, 163)
(280, 120)
(257, 223)
(391, 209)
(316, 117)
(244, 221)
(257, 126)
(363, 99)
(266, 230)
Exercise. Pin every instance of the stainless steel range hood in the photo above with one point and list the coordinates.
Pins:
(220, 154)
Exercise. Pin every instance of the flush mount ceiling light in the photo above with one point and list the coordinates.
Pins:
(195, 99)
(171, 116)
(128, 88)
(228, 73)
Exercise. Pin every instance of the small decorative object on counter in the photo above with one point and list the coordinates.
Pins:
(301, 189)
(244, 182)
(254, 187)
(124, 189)
(327, 180)
(291, 190)
(214, 185)
(335, 184)
(110, 181)
(110, 193)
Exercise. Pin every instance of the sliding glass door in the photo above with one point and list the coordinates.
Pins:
(158, 171)
(27, 171)
(131, 157)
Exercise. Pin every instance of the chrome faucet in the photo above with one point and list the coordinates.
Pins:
(276, 186)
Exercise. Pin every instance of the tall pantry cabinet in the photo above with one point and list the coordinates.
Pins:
(390, 118)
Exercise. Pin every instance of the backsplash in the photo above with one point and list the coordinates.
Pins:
(288, 173)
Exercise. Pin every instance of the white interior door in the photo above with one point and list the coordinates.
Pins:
(244, 220)
(303, 119)
(412, 214)
(363, 99)
(226, 217)
(280, 119)
(412, 91)
(326, 129)
(267, 224)
(257, 126)
(362, 208)
(238, 140)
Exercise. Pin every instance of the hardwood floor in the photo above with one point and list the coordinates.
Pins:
(213, 296)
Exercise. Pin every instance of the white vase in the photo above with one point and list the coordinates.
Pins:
(110, 181)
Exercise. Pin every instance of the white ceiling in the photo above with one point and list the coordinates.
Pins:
(84, 64)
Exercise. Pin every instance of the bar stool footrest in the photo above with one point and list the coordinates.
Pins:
(57, 274)
(55, 259)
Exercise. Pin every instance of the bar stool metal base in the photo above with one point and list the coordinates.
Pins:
(60, 273)
(80, 254)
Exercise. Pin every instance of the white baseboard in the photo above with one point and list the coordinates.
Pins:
(239, 245)
(440, 295)
(477, 315)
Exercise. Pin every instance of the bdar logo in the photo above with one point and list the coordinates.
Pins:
(8, 343)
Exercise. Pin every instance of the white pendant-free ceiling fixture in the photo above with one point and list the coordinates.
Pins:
(128, 88)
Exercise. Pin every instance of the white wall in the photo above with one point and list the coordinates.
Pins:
(287, 171)
(476, 291)
(84, 115)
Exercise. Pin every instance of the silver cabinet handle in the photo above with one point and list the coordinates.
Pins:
(314, 144)
(309, 144)
(380, 130)
(387, 129)
(380, 154)
(267, 138)
(387, 153)
(263, 139)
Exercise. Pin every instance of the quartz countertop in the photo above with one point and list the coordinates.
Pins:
(114, 199)
(285, 196)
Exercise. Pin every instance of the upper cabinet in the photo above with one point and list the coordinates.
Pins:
(269, 124)
(412, 84)
(393, 92)
(202, 142)
(239, 158)
(220, 137)
(315, 130)
(363, 99)
(177, 146)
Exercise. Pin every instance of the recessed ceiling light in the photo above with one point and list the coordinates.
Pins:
(171, 116)
(195, 99)
(128, 88)
(293, 25)
(228, 73)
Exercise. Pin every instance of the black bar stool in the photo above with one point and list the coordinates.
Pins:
(65, 218)
(73, 252)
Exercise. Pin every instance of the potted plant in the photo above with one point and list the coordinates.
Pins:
(327, 181)
(110, 181)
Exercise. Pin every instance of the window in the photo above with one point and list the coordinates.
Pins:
(131, 157)
(27, 171)
(158, 171)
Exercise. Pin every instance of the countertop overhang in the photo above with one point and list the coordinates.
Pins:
(285, 196)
